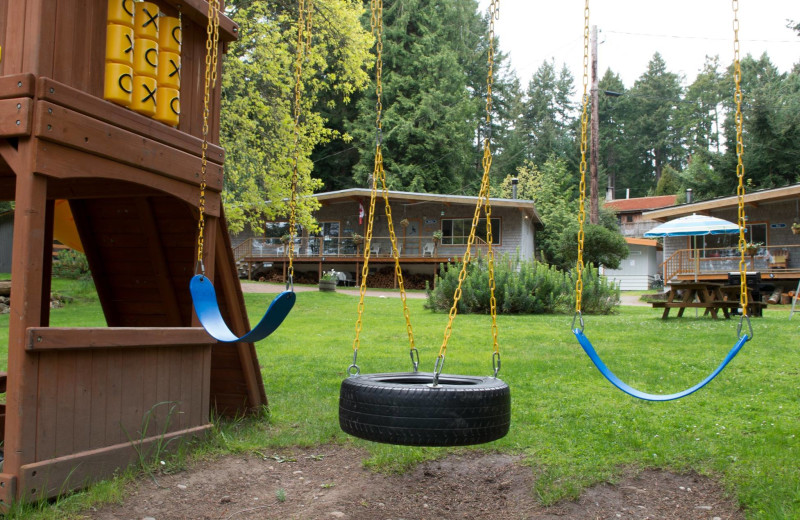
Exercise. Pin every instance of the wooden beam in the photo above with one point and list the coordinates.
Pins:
(48, 478)
(67, 127)
(16, 115)
(66, 163)
(55, 338)
(17, 85)
(10, 155)
(197, 11)
(158, 259)
(102, 110)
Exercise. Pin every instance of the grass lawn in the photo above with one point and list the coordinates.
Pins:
(573, 427)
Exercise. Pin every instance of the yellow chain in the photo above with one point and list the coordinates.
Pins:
(212, 46)
(584, 141)
(483, 203)
(303, 44)
(379, 174)
(737, 78)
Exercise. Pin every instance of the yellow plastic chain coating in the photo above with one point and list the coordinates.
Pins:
(483, 202)
(212, 46)
(584, 140)
(379, 174)
(304, 16)
(737, 78)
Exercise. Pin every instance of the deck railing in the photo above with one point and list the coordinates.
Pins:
(715, 261)
(346, 247)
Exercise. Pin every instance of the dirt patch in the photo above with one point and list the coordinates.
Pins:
(329, 482)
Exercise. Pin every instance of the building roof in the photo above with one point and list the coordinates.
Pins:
(641, 242)
(640, 204)
(706, 206)
(526, 206)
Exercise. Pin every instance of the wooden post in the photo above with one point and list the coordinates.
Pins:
(594, 215)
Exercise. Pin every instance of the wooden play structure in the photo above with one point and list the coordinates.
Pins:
(77, 398)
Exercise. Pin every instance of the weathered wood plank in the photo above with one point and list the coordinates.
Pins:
(55, 338)
(16, 115)
(107, 112)
(197, 12)
(26, 292)
(98, 396)
(48, 478)
(67, 127)
(66, 163)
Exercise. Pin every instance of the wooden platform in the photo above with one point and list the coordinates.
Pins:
(82, 403)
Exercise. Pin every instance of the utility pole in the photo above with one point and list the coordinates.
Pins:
(594, 212)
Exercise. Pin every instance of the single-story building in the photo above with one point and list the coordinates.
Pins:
(639, 270)
(770, 216)
(430, 229)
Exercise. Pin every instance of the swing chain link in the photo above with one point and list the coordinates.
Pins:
(579, 318)
(415, 359)
(483, 202)
(210, 78)
(379, 174)
(740, 190)
(579, 266)
(304, 24)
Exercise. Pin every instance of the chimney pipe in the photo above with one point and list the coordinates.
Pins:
(627, 193)
(688, 195)
(514, 182)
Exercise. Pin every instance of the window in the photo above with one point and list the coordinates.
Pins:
(455, 231)
(629, 218)
(329, 231)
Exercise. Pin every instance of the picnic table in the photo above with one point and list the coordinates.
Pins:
(710, 296)
(688, 294)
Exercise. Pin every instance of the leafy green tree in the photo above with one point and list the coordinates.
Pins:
(601, 246)
(257, 127)
(705, 181)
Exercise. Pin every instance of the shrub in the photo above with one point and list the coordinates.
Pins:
(72, 265)
(522, 287)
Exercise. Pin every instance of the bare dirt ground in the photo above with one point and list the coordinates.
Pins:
(329, 482)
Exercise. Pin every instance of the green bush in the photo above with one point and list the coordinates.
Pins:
(71, 265)
(522, 287)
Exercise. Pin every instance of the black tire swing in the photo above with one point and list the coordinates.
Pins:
(425, 408)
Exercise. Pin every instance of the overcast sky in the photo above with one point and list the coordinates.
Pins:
(631, 31)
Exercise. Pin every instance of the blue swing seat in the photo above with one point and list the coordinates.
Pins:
(204, 298)
(592, 353)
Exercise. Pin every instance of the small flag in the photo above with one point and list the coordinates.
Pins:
(361, 213)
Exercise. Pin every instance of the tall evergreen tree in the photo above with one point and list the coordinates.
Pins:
(548, 114)
(654, 129)
(434, 61)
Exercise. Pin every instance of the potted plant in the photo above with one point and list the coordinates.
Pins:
(437, 236)
(796, 228)
(751, 248)
(327, 282)
(357, 241)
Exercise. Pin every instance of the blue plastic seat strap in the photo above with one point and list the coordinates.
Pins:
(592, 353)
(204, 298)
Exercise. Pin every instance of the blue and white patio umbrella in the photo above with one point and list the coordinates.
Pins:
(693, 225)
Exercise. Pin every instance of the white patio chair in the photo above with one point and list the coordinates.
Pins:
(427, 249)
